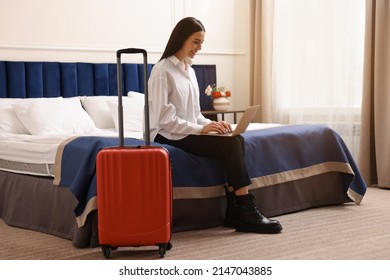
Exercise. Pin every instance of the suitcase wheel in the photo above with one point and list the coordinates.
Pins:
(162, 248)
(106, 250)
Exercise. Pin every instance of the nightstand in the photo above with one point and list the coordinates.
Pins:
(222, 113)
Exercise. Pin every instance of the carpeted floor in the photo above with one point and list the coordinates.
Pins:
(348, 232)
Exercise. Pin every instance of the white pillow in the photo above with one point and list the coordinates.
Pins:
(61, 117)
(133, 112)
(97, 109)
(135, 94)
(12, 101)
(9, 122)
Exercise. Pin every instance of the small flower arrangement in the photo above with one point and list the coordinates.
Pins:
(217, 91)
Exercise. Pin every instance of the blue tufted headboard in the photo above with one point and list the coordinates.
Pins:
(67, 79)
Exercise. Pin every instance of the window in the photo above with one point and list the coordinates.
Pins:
(318, 64)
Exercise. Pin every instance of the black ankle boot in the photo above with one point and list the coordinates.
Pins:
(251, 220)
(232, 210)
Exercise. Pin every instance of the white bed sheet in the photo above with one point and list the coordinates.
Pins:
(35, 155)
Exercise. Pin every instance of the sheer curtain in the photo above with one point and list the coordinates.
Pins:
(317, 65)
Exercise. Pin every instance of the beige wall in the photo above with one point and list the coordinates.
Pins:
(92, 30)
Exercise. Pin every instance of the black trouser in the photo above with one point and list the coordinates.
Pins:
(229, 151)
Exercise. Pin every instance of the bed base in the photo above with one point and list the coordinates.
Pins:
(34, 203)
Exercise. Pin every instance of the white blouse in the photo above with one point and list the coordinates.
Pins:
(174, 100)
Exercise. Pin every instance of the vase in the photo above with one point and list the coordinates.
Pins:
(221, 103)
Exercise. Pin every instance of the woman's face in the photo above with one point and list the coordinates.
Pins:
(191, 46)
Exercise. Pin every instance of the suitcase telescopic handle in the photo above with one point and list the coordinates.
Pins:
(131, 50)
(146, 93)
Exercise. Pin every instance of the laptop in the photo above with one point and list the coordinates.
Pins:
(243, 124)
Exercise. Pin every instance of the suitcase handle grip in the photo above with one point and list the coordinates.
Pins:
(130, 50)
(120, 105)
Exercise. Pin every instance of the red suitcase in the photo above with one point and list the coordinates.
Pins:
(134, 188)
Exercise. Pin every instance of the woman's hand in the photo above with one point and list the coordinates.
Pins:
(217, 127)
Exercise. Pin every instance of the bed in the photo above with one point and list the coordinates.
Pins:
(47, 173)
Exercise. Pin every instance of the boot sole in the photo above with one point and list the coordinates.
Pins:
(256, 229)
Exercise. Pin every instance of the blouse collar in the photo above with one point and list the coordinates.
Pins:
(176, 61)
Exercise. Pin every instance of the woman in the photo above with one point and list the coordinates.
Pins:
(175, 119)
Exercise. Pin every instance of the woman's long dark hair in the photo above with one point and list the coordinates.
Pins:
(183, 29)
